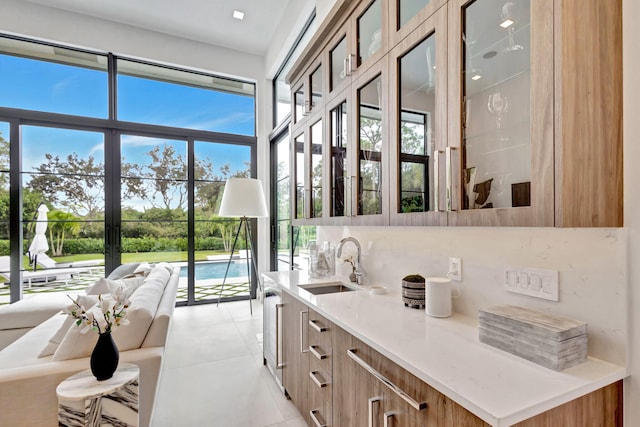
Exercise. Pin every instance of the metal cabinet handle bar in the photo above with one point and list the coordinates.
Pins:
(315, 379)
(436, 180)
(279, 364)
(388, 416)
(371, 401)
(394, 388)
(314, 325)
(312, 414)
(312, 349)
(303, 348)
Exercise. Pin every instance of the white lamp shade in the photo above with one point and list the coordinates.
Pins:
(243, 197)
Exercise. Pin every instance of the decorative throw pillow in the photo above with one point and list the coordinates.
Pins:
(144, 268)
(87, 301)
(123, 270)
(108, 286)
(142, 309)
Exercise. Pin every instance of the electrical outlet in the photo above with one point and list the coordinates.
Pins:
(455, 269)
(534, 282)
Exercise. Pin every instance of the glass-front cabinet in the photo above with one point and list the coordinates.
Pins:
(501, 138)
(369, 182)
(359, 44)
(418, 68)
(407, 15)
(340, 153)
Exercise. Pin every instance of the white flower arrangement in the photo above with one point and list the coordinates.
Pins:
(109, 311)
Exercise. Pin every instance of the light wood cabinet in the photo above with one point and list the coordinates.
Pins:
(493, 113)
(320, 370)
(295, 372)
(334, 379)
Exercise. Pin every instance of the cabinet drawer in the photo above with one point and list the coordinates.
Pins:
(320, 414)
(423, 405)
(319, 331)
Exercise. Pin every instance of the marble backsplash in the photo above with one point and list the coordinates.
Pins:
(591, 265)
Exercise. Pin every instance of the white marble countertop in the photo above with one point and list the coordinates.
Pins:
(498, 387)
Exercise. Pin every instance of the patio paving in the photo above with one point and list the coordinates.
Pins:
(204, 290)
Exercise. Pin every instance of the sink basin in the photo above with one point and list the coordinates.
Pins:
(326, 288)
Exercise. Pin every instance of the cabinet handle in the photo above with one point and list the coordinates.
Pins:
(345, 71)
(449, 178)
(347, 190)
(436, 180)
(394, 388)
(350, 63)
(312, 350)
(315, 379)
(279, 364)
(303, 348)
(312, 414)
(315, 326)
(372, 400)
(388, 416)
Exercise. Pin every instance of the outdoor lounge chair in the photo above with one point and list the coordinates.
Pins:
(46, 275)
(44, 261)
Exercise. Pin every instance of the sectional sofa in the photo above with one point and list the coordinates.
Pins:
(32, 366)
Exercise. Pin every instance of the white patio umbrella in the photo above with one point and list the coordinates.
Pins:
(39, 243)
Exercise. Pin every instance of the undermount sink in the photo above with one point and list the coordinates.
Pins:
(326, 288)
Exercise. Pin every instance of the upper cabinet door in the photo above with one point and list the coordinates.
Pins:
(500, 166)
(405, 16)
(418, 75)
(339, 62)
(370, 29)
(370, 162)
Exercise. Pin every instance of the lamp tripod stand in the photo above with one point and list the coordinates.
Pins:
(248, 244)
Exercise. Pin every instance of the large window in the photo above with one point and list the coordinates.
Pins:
(169, 97)
(53, 79)
(289, 249)
(112, 174)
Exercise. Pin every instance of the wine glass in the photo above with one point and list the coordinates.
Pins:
(508, 15)
(498, 104)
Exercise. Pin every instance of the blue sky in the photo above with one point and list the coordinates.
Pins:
(46, 86)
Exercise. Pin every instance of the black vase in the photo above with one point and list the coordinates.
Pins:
(104, 358)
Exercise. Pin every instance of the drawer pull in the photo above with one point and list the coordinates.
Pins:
(312, 414)
(394, 388)
(315, 326)
(372, 400)
(314, 377)
(388, 416)
(279, 364)
(312, 350)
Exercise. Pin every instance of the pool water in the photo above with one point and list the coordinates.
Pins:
(215, 270)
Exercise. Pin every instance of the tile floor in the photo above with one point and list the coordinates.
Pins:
(213, 373)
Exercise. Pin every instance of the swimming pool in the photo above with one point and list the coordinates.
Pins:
(215, 270)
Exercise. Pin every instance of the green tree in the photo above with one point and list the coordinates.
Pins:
(61, 225)
(168, 171)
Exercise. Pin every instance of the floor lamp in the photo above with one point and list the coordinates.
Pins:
(243, 198)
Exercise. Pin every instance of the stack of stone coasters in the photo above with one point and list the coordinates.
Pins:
(551, 341)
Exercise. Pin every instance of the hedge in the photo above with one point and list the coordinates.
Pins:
(132, 245)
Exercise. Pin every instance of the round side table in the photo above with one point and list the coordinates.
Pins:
(84, 401)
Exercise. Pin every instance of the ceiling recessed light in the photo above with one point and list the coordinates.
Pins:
(506, 23)
(238, 15)
(476, 77)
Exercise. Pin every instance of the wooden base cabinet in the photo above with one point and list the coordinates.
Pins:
(295, 373)
(334, 379)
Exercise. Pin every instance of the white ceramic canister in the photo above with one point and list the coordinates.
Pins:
(438, 296)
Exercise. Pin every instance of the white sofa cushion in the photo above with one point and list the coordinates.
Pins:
(32, 310)
(141, 311)
(108, 286)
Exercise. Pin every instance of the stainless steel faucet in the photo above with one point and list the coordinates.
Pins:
(357, 273)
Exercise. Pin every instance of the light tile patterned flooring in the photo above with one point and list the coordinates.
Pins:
(203, 291)
(213, 373)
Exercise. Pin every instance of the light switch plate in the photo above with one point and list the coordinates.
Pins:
(455, 269)
(534, 282)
